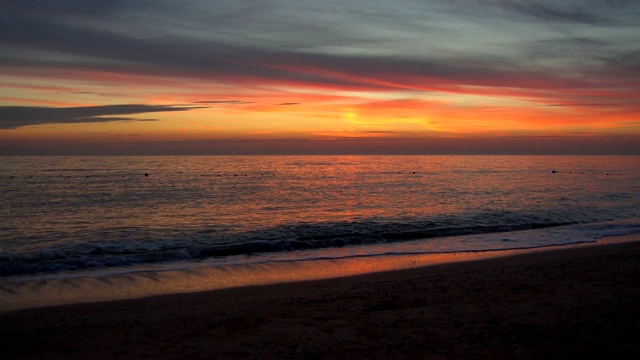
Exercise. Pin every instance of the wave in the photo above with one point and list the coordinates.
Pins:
(288, 240)
(321, 241)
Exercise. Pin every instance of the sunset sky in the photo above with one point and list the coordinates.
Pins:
(319, 77)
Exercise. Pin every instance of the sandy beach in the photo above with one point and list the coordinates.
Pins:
(576, 301)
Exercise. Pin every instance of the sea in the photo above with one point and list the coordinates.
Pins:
(64, 217)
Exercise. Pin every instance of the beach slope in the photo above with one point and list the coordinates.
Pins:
(576, 301)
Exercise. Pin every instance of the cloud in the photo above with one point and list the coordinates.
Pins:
(584, 104)
(385, 132)
(67, 7)
(224, 102)
(12, 117)
(589, 12)
(288, 104)
(560, 48)
(555, 11)
(78, 47)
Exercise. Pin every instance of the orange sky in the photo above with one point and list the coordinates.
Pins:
(319, 77)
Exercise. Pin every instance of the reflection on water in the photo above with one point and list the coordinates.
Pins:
(105, 210)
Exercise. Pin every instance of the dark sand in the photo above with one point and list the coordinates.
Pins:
(577, 302)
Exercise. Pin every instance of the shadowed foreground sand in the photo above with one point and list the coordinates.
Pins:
(582, 301)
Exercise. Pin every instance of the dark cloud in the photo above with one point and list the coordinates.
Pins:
(555, 11)
(624, 63)
(67, 7)
(589, 12)
(35, 34)
(12, 117)
(102, 50)
(96, 49)
(288, 104)
(568, 47)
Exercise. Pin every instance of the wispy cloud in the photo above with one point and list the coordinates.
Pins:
(564, 11)
(584, 104)
(224, 102)
(381, 66)
(214, 57)
(12, 117)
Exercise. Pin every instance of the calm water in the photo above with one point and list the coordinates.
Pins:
(66, 214)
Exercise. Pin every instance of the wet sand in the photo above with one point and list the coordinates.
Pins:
(565, 302)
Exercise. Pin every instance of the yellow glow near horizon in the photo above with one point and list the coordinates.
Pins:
(298, 113)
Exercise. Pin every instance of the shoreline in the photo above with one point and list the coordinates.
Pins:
(578, 300)
(37, 292)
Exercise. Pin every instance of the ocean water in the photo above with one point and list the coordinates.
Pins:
(63, 216)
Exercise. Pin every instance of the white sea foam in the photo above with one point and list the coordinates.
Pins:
(169, 278)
